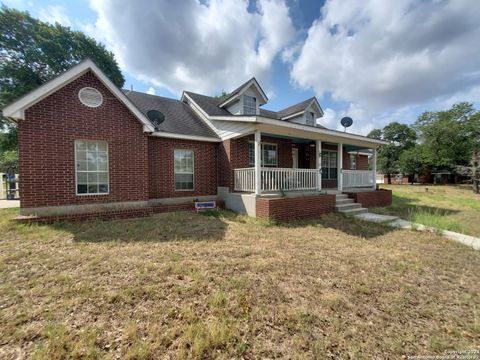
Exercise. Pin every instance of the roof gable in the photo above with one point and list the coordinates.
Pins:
(241, 89)
(16, 110)
(300, 108)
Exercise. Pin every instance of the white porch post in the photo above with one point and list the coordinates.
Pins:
(318, 164)
(374, 168)
(340, 166)
(258, 162)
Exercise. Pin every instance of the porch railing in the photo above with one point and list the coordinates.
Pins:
(277, 179)
(358, 178)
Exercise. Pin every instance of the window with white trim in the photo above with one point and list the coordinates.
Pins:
(329, 165)
(249, 105)
(269, 154)
(184, 169)
(91, 159)
(353, 161)
(310, 118)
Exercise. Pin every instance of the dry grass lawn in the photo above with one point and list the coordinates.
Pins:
(194, 286)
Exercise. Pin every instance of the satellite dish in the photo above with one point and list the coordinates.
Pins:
(346, 122)
(156, 117)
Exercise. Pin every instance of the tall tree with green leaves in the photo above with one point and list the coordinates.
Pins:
(447, 136)
(401, 138)
(32, 52)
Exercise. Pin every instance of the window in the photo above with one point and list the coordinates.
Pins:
(353, 162)
(310, 118)
(91, 167)
(249, 105)
(329, 165)
(183, 163)
(268, 151)
(90, 97)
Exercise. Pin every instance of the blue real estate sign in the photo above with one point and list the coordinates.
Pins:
(205, 205)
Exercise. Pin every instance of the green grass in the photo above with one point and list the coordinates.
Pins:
(444, 207)
(219, 285)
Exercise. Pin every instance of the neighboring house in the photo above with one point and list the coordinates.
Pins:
(89, 149)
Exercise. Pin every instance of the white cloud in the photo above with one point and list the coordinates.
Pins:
(387, 58)
(151, 90)
(54, 14)
(189, 45)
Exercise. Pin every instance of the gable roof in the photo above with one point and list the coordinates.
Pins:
(208, 104)
(238, 90)
(179, 117)
(300, 107)
(16, 110)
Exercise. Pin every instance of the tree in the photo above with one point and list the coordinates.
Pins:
(413, 161)
(401, 138)
(446, 135)
(472, 170)
(32, 52)
(9, 162)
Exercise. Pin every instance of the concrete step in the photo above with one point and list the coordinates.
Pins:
(344, 201)
(342, 196)
(351, 212)
(347, 206)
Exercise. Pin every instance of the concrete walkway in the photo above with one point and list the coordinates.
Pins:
(6, 204)
(396, 222)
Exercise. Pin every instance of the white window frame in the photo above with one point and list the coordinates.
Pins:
(353, 164)
(86, 171)
(189, 173)
(309, 121)
(245, 105)
(328, 165)
(250, 163)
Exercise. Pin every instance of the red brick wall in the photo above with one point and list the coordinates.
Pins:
(161, 167)
(47, 155)
(111, 214)
(291, 208)
(370, 199)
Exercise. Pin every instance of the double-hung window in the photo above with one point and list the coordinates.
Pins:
(184, 170)
(353, 162)
(329, 165)
(91, 167)
(310, 118)
(268, 151)
(249, 105)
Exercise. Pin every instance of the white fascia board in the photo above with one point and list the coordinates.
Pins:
(240, 118)
(184, 137)
(317, 104)
(247, 85)
(293, 115)
(342, 136)
(200, 112)
(16, 110)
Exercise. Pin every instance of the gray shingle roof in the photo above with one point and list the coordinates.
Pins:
(179, 118)
(208, 104)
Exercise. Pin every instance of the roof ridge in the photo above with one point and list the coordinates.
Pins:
(152, 95)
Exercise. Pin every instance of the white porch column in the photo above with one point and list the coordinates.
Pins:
(374, 168)
(318, 163)
(258, 162)
(340, 166)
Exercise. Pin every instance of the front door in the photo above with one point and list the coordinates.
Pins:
(295, 158)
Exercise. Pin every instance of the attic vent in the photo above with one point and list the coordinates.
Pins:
(90, 97)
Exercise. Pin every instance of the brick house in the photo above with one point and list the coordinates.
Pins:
(88, 149)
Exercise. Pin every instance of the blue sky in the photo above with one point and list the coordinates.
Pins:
(376, 61)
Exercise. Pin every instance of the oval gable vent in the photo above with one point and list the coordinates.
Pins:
(90, 97)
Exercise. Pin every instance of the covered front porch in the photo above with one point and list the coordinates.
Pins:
(281, 163)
